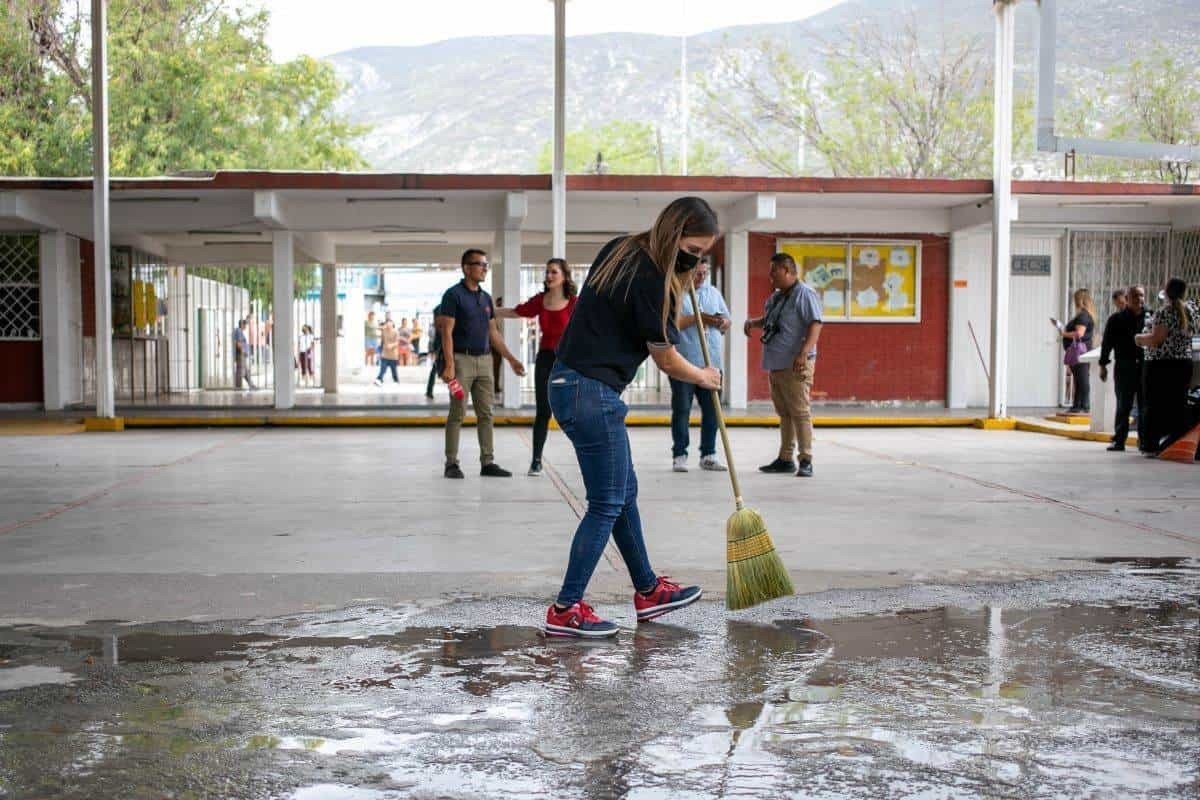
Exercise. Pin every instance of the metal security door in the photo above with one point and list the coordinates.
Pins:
(1034, 354)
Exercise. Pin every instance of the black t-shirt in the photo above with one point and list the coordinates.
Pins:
(1082, 318)
(610, 333)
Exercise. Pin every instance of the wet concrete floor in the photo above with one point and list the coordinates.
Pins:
(1083, 686)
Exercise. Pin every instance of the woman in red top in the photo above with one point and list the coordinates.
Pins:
(552, 307)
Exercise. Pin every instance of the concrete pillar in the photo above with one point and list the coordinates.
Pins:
(329, 331)
(508, 280)
(61, 319)
(283, 335)
(558, 181)
(737, 282)
(105, 399)
(1001, 207)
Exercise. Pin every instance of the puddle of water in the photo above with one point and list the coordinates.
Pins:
(1086, 699)
(14, 678)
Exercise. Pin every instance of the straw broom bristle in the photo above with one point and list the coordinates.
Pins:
(755, 572)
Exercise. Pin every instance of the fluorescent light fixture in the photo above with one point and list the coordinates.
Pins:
(398, 199)
(168, 199)
(226, 241)
(405, 229)
(414, 241)
(201, 232)
(1106, 204)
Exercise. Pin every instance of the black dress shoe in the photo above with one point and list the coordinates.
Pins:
(805, 470)
(1116, 448)
(779, 466)
(494, 471)
(453, 471)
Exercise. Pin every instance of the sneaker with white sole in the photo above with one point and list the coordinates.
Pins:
(579, 621)
(667, 596)
(679, 464)
(535, 469)
(711, 464)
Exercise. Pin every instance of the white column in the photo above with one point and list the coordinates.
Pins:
(558, 248)
(1001, 207)
(57, 353)
(737, 283)
(329, 332)
(105, 403)
(283, 335)
(508, 281)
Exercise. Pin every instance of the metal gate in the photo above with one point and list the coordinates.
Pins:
(1185, 260)
(1103, 261)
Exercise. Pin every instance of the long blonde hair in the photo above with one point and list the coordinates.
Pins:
(1083, 299)
(686, 216)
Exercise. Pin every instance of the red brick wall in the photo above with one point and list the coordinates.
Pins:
(21, 377)
(869, 361)
(87, 285)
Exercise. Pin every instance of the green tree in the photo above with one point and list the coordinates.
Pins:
(1156, 98)
(192, 87)
(257, 280)
(625, 147)
(885, 104)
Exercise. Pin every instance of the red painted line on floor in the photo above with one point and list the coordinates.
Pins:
(130, 481)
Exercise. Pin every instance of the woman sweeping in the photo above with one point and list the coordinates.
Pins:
(626, 311)
(552, 307)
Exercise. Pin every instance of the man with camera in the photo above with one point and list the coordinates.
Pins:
(791, 325)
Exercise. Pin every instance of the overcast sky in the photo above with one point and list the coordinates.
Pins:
(321, 27)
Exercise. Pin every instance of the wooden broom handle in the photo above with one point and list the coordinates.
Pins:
(733, 479)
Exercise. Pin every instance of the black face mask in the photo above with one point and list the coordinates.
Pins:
(685, 261)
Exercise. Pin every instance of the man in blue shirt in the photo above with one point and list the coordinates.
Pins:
(241, 352)
(790, 328)
(714, 320)
(466, 324)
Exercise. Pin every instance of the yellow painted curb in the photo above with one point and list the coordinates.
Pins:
(104, 424)
(1070, 419)
(1083, 436)
(39, 427)
(433, 420)
(996, 424)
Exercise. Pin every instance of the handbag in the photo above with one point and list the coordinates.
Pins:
(1074, 350)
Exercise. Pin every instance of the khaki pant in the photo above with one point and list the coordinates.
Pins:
(475, 375)
(791, 392)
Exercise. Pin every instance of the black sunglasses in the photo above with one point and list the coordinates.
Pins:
(477, 264)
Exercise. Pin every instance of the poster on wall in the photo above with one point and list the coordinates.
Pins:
(883, 280)
(822, 265)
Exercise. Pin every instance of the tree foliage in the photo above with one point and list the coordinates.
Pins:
(626, 147)
(885, 104)
(192, 87)
(1155, 98)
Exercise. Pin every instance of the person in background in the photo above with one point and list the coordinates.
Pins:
(370, 339)
(791, 326)
(435, 347)
(1077, 334)
(1168, 368)
(305, 344)
(552, 307)
(467, 327)
(1119, 332)
(416, 338)
(389, 353)
(405, 334)
(241, 357)
(1120, 299)
(713, 319)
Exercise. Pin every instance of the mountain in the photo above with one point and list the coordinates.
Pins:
(485, 104)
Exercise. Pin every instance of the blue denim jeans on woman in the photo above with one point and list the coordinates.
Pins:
(681, 412)
(592, 415)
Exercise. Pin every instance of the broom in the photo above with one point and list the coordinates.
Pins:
(755, 573)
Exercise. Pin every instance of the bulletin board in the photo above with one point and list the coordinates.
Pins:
(861, 281)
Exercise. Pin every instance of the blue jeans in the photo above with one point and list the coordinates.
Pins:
(681, 410)
(592, 415)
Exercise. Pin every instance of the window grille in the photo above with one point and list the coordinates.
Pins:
(20, 287)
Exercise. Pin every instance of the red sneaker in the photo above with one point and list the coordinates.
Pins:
(578, 621)
(666, 597)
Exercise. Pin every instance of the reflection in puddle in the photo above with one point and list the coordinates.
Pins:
(1070, 701)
